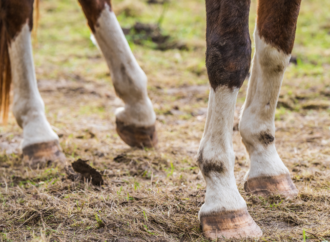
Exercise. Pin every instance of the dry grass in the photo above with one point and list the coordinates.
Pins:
(155, 195)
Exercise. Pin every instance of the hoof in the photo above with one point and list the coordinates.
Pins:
(41, 155)
(137, 136)
(271, 185)
(236, 224)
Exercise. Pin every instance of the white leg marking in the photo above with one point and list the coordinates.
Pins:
(128, 78)
(257, 125)
(216, 147)
(28, 107)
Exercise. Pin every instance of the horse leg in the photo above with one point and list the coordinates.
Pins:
(40, 143)
(228, 57)
(274, 38)
(136, 121)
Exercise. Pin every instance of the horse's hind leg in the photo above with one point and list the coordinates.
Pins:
(136, 121)
(40, 143)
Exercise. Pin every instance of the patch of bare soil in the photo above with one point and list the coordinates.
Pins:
(143, 33)
(142, 166)
(157, 1)
(316, 104)
(10, 144)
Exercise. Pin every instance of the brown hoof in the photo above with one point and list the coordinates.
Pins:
(43, 154)
(272, 185)
(137, 136)
(236, 224)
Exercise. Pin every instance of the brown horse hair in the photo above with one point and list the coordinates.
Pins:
(5, 71)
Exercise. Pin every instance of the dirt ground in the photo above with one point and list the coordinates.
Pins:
(155, 194)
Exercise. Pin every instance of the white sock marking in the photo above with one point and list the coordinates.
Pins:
(216, 145)
(128, 78)
(259, 108)
(28, 106)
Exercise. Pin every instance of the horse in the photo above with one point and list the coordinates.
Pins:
(228, 61)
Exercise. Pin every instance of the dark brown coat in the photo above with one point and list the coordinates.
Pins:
(92, 10)
(228, 54)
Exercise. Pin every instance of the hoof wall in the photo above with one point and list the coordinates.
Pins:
(236, 224)
(272, 185)
(41, 155)
(137, 136)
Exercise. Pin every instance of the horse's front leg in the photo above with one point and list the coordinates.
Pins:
(274, 37)
(228, 56)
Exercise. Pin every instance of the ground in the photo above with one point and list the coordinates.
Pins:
(155, 194)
